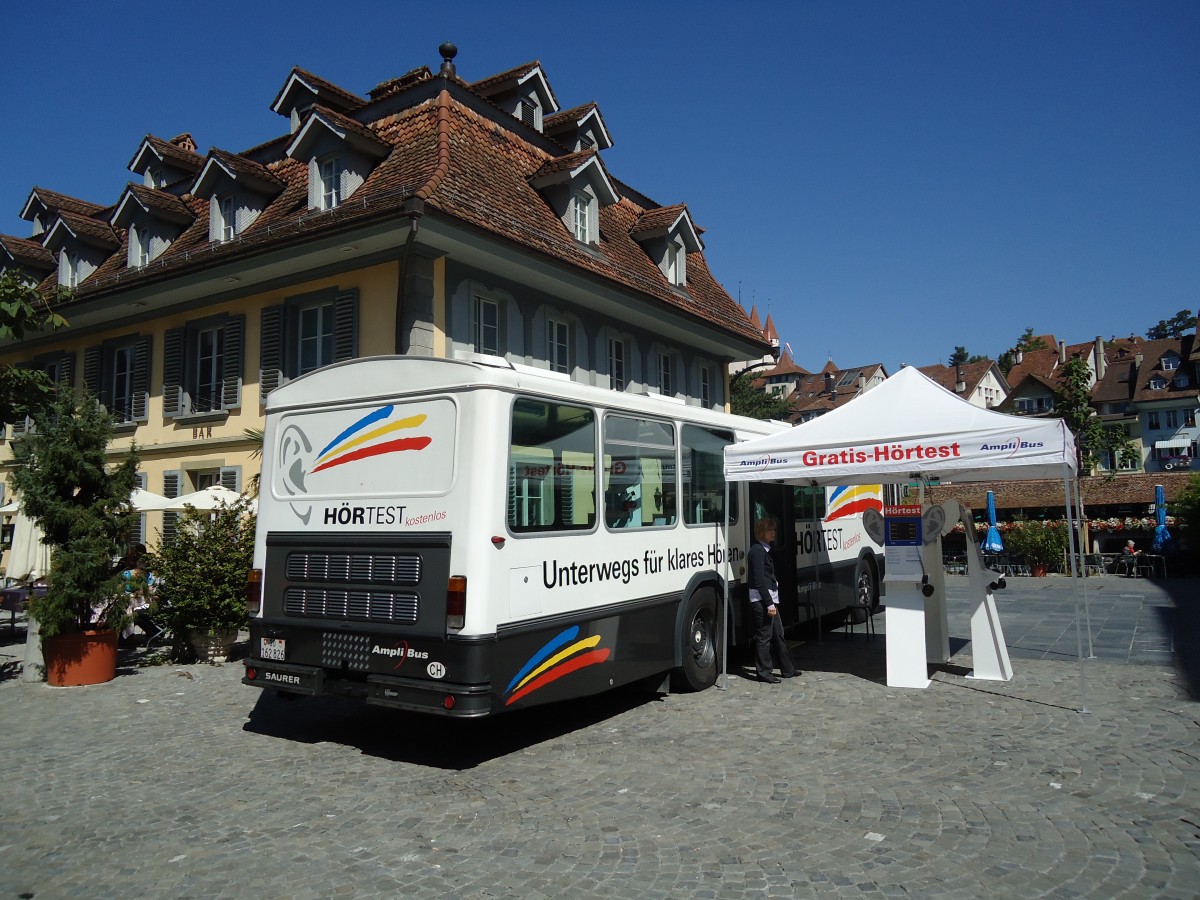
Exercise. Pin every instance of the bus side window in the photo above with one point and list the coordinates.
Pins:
(703, 476)
(639, 470)
(551, 467)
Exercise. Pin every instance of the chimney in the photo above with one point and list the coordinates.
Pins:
(960, 384)
(1020, 356)
(862, 384)
(829, 382)
(1062, 351)
(184, 142)
(1099, 353)
(1137, 359)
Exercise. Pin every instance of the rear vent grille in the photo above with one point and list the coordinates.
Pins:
(360, 568)
(399, 607)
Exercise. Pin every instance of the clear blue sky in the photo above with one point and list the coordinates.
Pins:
(888, 179)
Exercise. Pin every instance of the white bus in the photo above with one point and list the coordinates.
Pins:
(469, 537)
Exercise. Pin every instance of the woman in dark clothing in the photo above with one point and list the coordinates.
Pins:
(764, 606)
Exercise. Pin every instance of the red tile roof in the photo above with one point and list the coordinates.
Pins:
(25, 252)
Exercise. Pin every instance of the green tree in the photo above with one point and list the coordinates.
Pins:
(747, 400)
(1186, 510)
(960, 356)
(1092, 438)
(1176, 326)
(1025, 343)
(67, 486)
(23, 311)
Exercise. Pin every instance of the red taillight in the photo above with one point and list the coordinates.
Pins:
(254, 591)
(251, 672)
(456, 601)
(448, 702)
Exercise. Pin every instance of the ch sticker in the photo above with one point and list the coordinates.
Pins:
(436, 670)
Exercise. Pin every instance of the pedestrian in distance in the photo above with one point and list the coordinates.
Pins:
(1129, 558)
(764, 606)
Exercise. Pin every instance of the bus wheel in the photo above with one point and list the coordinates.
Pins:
(698, 643)
(866, 591)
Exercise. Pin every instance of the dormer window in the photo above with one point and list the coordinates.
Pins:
(1157, 383)
(226, 225)
(583, 214)
(139, 246)
(531, 113)
(1182, 380)
(154, 178)
(68, 269)
(676, 269)
(330, 170)
(1170, 362)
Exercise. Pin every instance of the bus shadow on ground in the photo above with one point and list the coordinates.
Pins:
(443, 743)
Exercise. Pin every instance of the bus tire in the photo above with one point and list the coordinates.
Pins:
(866, 586)
(698, 643)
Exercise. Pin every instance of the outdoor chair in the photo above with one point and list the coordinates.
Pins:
(859, 614)
(154, 629)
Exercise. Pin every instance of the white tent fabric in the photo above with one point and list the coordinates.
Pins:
(143, 500)
(909, 428)
(208, 498)
(29, 558)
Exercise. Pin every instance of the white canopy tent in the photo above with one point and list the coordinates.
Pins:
(910, 428)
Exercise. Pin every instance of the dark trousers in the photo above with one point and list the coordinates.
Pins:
(768, 641)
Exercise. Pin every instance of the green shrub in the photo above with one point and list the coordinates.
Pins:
(200, 578)
(1037, 543)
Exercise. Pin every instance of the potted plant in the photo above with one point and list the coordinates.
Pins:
(81, 502)
(200, 579)
(1038, 544)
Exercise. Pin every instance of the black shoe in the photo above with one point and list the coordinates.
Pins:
(789, 674)
(770, 679)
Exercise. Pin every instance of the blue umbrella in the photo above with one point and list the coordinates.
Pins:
(992, 543)
(1162, 537)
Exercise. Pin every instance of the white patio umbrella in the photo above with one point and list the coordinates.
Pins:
(29, 558)
(209, 498)
(143, 500)
(10, 507)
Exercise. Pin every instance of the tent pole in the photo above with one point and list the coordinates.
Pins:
(725, 604)
(818, 532)
(1087, 614)
(1075, 583)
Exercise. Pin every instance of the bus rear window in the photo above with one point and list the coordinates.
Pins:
(551, 467)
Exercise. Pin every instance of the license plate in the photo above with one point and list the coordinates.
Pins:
(272, 648)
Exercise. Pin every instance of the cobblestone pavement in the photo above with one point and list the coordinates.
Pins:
(177, 781)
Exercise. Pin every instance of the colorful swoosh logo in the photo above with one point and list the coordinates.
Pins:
(560, 656)
(362, 441)
(853, 500)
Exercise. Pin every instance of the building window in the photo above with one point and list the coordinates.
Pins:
(118, 374)
(1172, 417)
(331, 179)
(616, 364)
(1152, 421)
(705, 387)
(531, 114)
(581, 216)
(1170, 363)
(557, 345)
(1182, 380)
(69, 270)
(304, 333)
(665, 386)
(314, 337)
(225, 221)
(676, 263)
(202, 366)
(1189, 418)
(487, 326)
(1157, 383)
(139, 241)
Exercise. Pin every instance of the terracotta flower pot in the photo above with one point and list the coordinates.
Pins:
(1038, 570)
(82, 657)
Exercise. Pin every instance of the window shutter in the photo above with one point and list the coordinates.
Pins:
(92, 370)
(141, 519)
(314, 185)
(67, 370)
(141, 378)
(25, 423)
(171, 482)
(345, 327)
(231, 477)
(231, 365)
(270, 373)
(173, 346)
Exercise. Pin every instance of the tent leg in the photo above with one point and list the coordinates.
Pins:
(725, 605)
(1075, 583)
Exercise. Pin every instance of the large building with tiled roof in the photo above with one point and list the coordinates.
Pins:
(821, 392)
(980, 383)
(432, 216)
